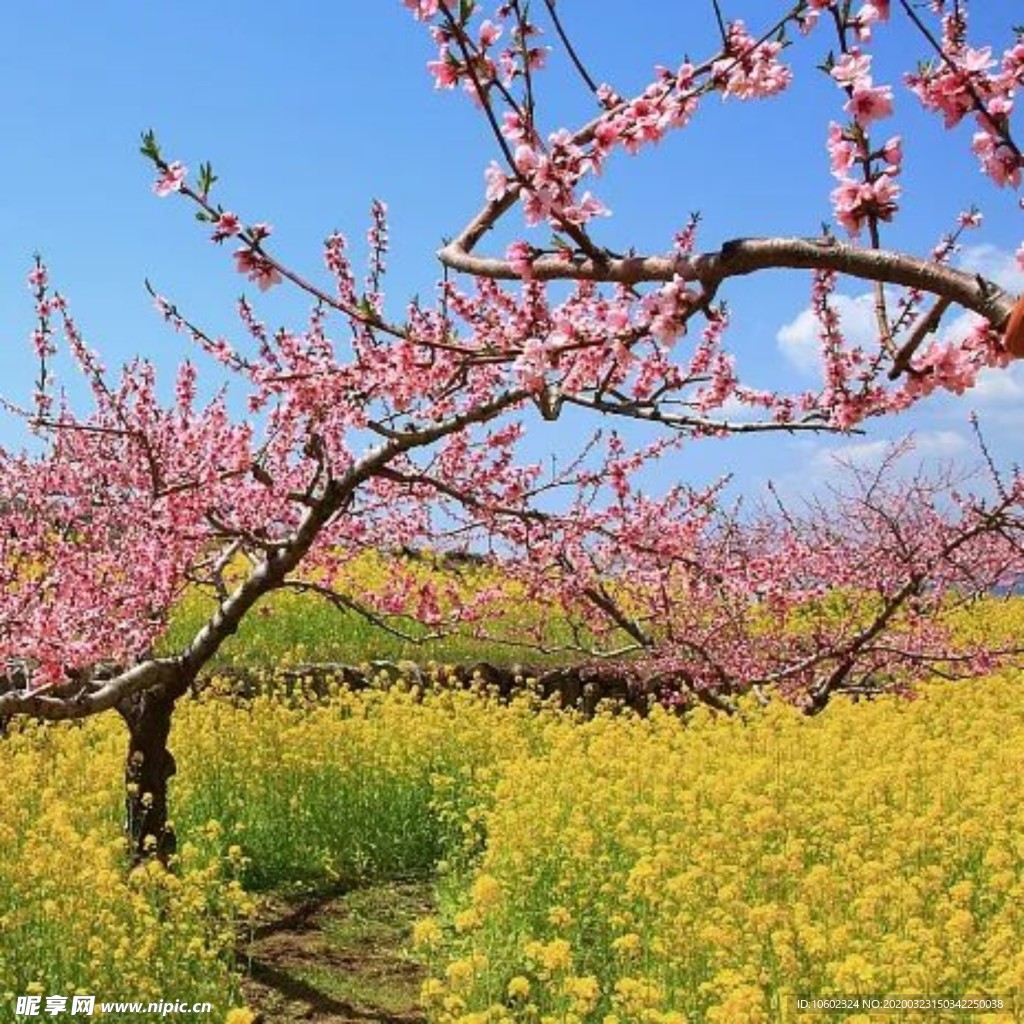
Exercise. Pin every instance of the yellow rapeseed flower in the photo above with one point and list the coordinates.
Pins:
(518, 987)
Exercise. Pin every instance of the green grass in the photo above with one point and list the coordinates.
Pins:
(302, 818)
(344, 954)
(287, 628)
(373, 926)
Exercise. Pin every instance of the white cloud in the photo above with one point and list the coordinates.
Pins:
(928, 446)
(996, 264)
(856, 453)
(798, 340)
(734, 411)
(940, 444)
(999, 387)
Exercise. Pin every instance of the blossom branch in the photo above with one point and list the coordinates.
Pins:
(744, 256)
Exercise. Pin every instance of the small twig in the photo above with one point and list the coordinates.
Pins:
(569, 48)
(723, 30)
(927, 324)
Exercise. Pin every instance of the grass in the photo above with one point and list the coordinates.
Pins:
(288, 627)
(313, 793)
(343, 955)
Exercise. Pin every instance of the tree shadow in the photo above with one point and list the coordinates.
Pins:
(319, 1002)
(301, 966)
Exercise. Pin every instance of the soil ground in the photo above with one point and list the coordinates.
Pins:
(339, 957)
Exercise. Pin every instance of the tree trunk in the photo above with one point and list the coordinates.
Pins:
(149, 767)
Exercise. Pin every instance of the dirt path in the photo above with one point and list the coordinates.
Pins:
(341, 958)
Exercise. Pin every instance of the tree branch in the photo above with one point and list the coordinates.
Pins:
(744, 256)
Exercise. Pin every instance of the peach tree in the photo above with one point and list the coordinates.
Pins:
(375, 428)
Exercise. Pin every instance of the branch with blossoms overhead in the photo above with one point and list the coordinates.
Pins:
(544, 175)
(543, 178)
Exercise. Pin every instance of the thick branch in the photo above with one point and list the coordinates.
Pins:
(738, 258)
(50, 706)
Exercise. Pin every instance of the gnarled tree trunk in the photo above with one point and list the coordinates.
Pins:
(149, 768)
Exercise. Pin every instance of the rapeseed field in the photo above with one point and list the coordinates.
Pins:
(615, 870)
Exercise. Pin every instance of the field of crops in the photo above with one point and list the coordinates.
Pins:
(615, 870)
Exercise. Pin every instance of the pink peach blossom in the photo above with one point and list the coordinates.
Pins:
(172, 177)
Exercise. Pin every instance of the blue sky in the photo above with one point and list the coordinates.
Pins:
(308, 111)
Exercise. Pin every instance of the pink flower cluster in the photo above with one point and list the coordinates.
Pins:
(725, 592)
(107, 518)
(861, 21)
(749, 69)
(422, 9)
(874, 196)
(968, 80)
(171, 178)
(476, 67)
(954, 366)
(548, 172)
(257, 268)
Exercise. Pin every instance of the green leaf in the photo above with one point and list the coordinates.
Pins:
(150, 147)
(206, 178)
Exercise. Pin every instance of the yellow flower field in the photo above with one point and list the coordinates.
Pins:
(642, 871)
(73, 918)
(617, 870)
